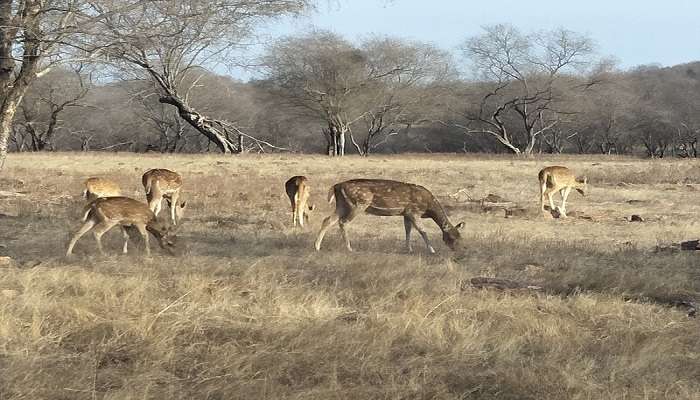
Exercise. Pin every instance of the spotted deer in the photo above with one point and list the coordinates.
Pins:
(164, 184)
(105, 213)
(389, 198)
(298, 191)
(559, 179)
(100, 187)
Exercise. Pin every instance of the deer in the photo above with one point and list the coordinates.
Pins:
(560, 179)
(105, 213)
(164, 184)
(100, 187)
(298, 191)
(389, 198)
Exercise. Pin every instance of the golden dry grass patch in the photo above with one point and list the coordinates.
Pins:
(249, 310)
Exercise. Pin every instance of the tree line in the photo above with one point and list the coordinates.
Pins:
(144, 75)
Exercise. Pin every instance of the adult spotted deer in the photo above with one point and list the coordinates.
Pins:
(298, 191)
(100, 187)
(559, 179)
(164, 184)
(105, 213)
(388, 198)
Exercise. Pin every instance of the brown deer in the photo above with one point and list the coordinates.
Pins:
(298, 191)
(388, 198)
(164, 184)
(559, 179)
(100, 187)
(105, 213)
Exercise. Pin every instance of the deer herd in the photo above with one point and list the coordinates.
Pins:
(107, 208)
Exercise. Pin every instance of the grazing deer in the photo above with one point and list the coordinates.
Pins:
(298, 190)
(105, 213)
(164, 184)
(100, 187)
(388, 198)
(562, 180)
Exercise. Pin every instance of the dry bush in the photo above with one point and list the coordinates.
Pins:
(249, 310)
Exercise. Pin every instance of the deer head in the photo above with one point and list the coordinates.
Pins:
(582, 185)
(165, 233)
(452, 236)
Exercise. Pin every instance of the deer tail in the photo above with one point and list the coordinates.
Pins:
(85, 193)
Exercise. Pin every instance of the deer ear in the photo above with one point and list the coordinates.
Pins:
(460, 225)
(183, 204)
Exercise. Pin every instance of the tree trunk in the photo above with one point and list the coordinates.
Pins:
(7, 115)
(214, 130)
(530, 146)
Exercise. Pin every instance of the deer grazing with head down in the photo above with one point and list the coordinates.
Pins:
(105, 213)
(559, 179)
(389, 198)
(164, 184)
(100, 187)
(298, 191)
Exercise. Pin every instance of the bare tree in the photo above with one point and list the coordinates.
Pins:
(341, 84)
(518, 74)
(321, 75)
(400, 99)
(34, 36)
(171, 41)
(46, 100)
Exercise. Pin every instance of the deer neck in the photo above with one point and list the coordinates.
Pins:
(437, 214)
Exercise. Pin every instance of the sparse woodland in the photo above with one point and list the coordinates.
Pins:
(138, 76)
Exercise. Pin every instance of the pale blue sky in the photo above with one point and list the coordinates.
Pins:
(635, 32)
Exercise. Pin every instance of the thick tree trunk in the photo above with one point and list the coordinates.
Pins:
(13, 89)
(7, 115)
(341, 143)
(214, 130)
(532, 140)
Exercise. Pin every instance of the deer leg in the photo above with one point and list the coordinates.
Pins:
(157, 205)
(294, 214)
(344, 234)
(144, 234)
(564, 195)
(298, 210)
(548, 193)
(83, 230)
(174, 199)
(300, 215)
(543, 189)
(327, 223)
(422, 232)
(350, 214)
(100, 230)
(407, 224)
(125, 235)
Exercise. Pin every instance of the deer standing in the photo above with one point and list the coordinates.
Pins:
(105, 213)
(298, 191)
(164, 184)
(559, 179)
(388, 198)
(100, 187)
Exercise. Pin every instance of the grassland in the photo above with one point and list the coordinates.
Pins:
(249, 311)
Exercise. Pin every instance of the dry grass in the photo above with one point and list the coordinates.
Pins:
(250, 311)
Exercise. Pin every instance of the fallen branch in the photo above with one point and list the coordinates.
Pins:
(5, 193)
(501, 284)
(463, 191)
(690, 306)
